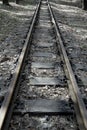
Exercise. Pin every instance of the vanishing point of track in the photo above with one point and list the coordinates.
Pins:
(79, 106)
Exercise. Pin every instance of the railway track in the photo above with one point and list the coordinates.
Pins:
(43, 88)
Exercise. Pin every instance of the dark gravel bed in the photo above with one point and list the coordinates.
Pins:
(43, 123)
(45, 91)
(28, 92)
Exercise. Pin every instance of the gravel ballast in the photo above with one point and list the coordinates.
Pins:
(14, 25)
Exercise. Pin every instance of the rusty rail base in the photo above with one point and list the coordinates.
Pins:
(7, 106)
(80, 108)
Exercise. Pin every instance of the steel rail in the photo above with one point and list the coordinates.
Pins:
(10, 93)
(76, 95)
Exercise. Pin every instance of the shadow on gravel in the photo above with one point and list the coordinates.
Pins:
(68, 2)
(70, 15)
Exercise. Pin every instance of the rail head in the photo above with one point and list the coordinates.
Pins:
(10, 93)
(77, 98)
